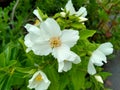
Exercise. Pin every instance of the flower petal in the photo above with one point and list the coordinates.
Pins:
(77, 59)
(32, 84)
(67, 66)
(32, 29)
(43, 86)
(82, 12)
(51, 27)
(35, 34)
(60, 66)
(61, 53)
(28, 42)
(106, 48)
(98, 57)
(91, 69)
(70, 37)
(35, 12)
(69, 7)
(42, 48)
(64, 66)
(37, 40)
(72, 57)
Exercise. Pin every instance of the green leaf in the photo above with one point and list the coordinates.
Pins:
(8, 51)
(105, 74)
(43, 16)
(56, 15)
(25, 70)
(2, 60)
(18, 80)
(8, 83)
(88, 84)
(84, 34)
(78, 25)
(64, 81)
(2, 81)
(12, 62)
(103, 15)
(78, 79)
(53, 77)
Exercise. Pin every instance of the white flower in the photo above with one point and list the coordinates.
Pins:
(67, 64)
(50, 39)
(99, 78)
(39, 81)
(81, 13)
(99, 56)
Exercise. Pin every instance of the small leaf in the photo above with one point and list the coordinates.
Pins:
(2, 81)
(25, 70)
(12, 62)
(105, 74)
(88, 84)
(78, 25)
(8, 83)
(53, 77)
(84, 34)
(56, 15)
(43, 16)
(2, 60)
(77, 78)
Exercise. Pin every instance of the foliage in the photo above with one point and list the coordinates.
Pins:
(105, 19)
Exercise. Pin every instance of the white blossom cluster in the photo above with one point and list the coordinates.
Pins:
(47, 38)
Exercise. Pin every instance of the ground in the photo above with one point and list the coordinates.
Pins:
(113, 66)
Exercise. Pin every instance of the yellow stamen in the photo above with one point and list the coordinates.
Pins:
(38, 78)
(55, 42)
(37, 22)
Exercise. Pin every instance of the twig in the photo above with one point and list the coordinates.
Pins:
(13, 12)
